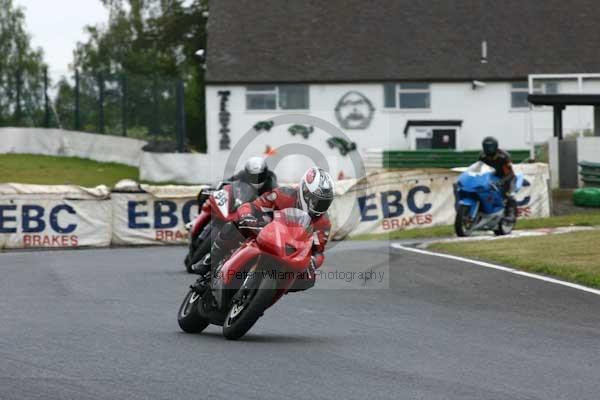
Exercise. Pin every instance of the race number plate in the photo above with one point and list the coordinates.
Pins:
(222, 200)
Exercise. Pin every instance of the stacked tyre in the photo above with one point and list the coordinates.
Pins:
(587, 197)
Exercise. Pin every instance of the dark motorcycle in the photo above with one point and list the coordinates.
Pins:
(218, 207)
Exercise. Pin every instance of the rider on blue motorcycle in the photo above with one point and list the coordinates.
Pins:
(500, 160)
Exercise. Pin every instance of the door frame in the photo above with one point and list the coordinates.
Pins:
(425, 132)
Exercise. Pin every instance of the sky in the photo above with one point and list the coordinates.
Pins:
(57, 25)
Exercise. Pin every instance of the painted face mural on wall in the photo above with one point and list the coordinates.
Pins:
(354, 111)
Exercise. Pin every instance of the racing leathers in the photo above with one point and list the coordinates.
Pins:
(502, 164)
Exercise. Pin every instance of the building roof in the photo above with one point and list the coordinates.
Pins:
(390, 40)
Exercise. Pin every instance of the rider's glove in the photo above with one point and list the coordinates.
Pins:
(248, 221)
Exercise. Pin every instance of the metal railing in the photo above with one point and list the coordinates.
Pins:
(147, 107)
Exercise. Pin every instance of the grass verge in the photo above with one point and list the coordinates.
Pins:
(591, 218)
(49, 170)
(574, 256)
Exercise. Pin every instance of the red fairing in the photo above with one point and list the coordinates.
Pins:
(289, 245)
(241, 259)
(202, 219)
(223, 213)
(287, 197)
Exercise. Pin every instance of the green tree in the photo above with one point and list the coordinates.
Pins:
(21, 71)
(146, 46)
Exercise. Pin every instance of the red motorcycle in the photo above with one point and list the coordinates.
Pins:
(218, 207)
(253, 278)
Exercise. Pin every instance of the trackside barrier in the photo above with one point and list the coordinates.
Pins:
(54, 216)
(37, 216)
(590, 173)
(59, 142)
(397, 200)
(152, 214)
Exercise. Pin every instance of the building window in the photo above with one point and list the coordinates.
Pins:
(407, 96)
(520, 91)
(281, 97)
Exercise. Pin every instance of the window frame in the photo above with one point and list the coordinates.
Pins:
(539, 88)
(276, 92)
(398, 91)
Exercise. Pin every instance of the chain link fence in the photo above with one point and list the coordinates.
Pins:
(147, 107)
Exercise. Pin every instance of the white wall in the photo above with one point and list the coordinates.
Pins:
(484, 111)
(58, 142)
(588, 149)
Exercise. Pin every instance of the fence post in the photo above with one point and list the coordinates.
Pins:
(46, 104)
(77, 118)
(154, 121)
(18, 105)
(124, 105)
(100, 103)
(180, 115)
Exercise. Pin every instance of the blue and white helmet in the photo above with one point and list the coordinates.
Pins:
(316, 191)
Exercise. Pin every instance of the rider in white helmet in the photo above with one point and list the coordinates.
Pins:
(257, 173)
(314, 194)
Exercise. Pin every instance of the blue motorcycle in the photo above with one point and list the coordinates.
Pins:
(480, 203)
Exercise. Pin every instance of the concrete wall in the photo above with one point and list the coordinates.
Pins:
(588, 149)
(58, 142)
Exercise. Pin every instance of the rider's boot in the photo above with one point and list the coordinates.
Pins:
(510, 210)
(202, 267)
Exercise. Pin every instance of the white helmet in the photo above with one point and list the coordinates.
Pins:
(256, 171)
(316, 191)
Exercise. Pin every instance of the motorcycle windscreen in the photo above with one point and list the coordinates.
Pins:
(479, 168)
(242, 193)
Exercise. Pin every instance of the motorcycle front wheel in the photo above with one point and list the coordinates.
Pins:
(504, 228)
(188, 317)
(248, 306)
(462, 224)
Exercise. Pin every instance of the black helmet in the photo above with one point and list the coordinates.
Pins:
(490, 146)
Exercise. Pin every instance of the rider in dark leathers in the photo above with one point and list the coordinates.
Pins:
(500, 160)
(255, 173)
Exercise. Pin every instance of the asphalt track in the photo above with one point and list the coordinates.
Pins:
(101, 324)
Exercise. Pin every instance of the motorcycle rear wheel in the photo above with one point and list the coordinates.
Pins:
(245, 311)
(462, 215)
(188, 318)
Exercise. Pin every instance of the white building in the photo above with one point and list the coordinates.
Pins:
(392, 74)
